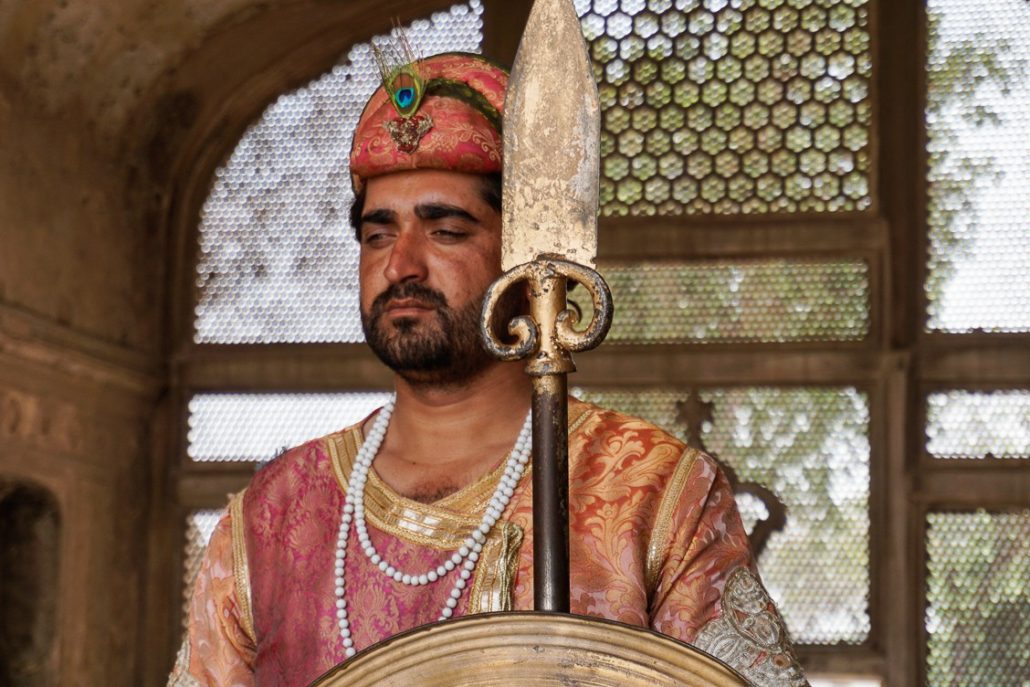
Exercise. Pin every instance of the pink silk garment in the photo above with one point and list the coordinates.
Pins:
(656, 541)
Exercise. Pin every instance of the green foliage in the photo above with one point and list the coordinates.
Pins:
(978, 608)
(710, 301)
(958, 72)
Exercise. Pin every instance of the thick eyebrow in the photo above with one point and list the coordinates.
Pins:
(379, 216)
(431, 211)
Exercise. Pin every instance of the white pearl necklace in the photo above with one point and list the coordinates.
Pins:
(464, 558)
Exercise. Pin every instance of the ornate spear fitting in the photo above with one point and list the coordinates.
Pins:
(549, 334)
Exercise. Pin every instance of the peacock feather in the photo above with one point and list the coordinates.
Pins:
(399, 67)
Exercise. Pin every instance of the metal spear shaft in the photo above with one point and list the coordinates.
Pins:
(549, 369)
(550, 455)
(550, 494)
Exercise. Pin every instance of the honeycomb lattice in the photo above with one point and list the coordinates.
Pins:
(721, 302)
(978, 125)
(730, 107)
(257, 427)
(970, 424)
(277, 259)
(810, 446)
(977, 606)
(200, 525)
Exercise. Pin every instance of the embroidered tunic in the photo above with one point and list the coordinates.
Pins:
(655, 541)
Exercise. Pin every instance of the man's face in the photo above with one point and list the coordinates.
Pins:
(430, 247)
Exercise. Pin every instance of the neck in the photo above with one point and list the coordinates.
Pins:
(455, 424)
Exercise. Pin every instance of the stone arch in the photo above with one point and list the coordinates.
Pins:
(201, 113)
(29, 545)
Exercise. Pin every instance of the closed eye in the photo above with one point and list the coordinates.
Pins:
(449, 235)
(375, 237)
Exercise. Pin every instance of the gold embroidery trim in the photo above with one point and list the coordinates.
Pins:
(658, 546)
(494, 578)
(436, 525)
(579, 412)
(180, 676)
(750, 635)
(508, 566)
(240, 565)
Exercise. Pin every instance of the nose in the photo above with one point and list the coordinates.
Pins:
(407, 259)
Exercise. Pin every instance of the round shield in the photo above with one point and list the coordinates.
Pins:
(538, 649)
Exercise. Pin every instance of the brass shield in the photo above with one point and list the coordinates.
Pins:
(537, 649)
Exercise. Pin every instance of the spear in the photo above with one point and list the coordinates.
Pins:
(549, 238)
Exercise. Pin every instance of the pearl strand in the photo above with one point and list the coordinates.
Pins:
(464, 558)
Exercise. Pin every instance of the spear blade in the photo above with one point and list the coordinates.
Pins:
(551, 131)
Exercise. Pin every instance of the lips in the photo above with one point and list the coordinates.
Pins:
(405, 306)
(407, 299)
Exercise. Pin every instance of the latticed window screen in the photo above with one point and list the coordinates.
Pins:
(722, 301)
(200, 525)
(978, 125)
(968, 424)
(277, 259)
(810, 446)
(257, 427)
(749, 106)
(277, 263)
(978, 609)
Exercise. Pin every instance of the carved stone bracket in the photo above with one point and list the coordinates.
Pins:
(695, 413)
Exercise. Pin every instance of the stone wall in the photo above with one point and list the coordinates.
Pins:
(80, 319)
(78, 427)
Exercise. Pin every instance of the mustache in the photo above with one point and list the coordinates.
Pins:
(406, 290)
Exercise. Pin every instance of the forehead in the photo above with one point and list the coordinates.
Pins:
(402, 190)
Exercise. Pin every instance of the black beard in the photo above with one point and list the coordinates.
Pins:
(443, 350)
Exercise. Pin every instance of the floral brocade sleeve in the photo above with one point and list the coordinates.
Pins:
(708, 592)
(700, 539)
(217, 650)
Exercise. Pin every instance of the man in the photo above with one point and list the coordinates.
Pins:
(327, 553)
